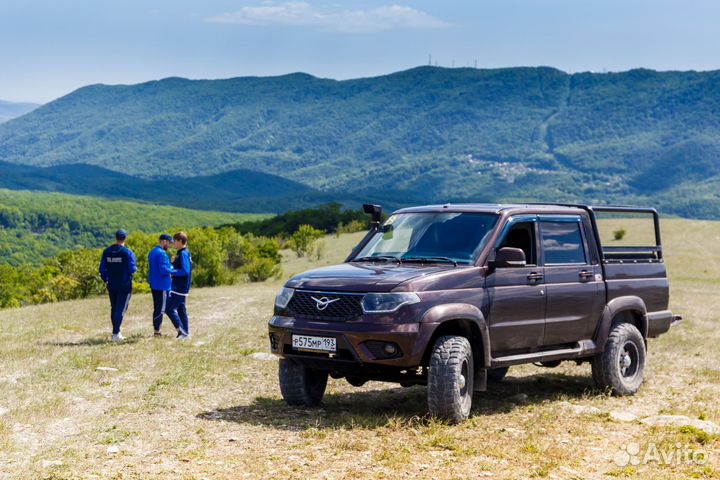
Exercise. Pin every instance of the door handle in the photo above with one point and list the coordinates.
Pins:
(585, 274)
(535, 276)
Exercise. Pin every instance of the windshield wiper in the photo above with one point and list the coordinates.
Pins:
(387, 258)
(431, 259)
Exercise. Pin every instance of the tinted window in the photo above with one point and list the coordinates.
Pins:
(522, 236)
(562, 242)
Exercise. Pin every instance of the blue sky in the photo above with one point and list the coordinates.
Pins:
(51, 47)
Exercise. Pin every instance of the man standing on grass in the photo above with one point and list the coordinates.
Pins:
(181, 280)
(117, 267)
(159, 271)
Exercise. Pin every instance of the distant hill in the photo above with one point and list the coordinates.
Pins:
(35, 226)
(10, 110)
(233, 191)
(423, 135)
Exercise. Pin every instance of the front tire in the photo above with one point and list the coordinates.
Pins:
(450, 379)
(300, 385)
(621, 367)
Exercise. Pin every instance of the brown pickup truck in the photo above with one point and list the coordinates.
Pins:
(451, 296)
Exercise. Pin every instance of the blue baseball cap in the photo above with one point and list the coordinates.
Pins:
(165, 236)
(121, 234)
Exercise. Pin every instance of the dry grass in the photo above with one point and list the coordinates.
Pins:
(207, 409)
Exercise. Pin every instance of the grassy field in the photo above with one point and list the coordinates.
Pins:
(211, 409)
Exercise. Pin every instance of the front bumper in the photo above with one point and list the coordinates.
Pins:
(353, 356)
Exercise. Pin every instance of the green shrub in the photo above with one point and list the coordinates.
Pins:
(303, 240)
(352, 227)
(261, 269)
(619, 234)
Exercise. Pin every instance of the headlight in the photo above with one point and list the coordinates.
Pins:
(387, 302)
(283, 298)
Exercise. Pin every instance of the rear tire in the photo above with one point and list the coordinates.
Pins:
(450, 379)
(621, 367)
(300, 385)
(495, 375)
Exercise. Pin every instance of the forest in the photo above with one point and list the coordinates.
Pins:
(222, 255)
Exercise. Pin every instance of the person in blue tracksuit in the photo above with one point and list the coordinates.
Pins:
(181, 280)
(117, 267)
(159, 271)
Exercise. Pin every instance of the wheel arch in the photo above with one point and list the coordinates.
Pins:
(626, 309)
(457, 319)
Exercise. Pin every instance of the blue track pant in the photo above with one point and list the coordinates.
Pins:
(119, 301)
(160, 299)
(177, 311)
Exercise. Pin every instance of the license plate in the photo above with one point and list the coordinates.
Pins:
(316, 344)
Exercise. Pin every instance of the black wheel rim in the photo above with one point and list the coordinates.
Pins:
(629, 360)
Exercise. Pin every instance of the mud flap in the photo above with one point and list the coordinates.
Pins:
(480, 384)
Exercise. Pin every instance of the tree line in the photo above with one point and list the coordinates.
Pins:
(221, 256)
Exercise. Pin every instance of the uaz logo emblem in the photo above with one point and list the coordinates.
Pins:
(322, 302)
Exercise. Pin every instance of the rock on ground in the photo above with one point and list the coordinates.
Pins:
(263, 356)
(682, 421)
(623, 416)
(579, 409)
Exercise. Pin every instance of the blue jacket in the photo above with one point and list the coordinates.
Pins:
(159, 269)
(117, 267)
(182, 276)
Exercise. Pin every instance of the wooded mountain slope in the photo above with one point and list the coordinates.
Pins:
(423, 135)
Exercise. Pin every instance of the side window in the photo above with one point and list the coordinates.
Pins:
(562, 243)
(522, 236)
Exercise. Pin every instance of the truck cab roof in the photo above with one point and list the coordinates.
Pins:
(497, 208)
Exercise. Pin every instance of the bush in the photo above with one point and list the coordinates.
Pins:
(619, 234)
(261, 269)
(325, 217)
(80, 267)
(352, 227)
(303, 240)
(320, 248)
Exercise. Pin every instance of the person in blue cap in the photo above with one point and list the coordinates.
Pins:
(117, 268)
(159, 271)
(181, 280)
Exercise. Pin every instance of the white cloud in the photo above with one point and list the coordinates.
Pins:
(302, 14)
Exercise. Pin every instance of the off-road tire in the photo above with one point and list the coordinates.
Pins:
(450, 379)
(300, 385)
(495, 375)
(621, 366)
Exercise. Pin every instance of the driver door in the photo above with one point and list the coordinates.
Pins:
(516, 295)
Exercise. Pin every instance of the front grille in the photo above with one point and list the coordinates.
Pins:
(340, 306)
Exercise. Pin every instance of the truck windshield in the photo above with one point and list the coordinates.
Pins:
(430, 236)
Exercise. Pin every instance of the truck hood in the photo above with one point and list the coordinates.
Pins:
(362, 277)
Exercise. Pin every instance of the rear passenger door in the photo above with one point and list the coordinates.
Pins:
(573, 281)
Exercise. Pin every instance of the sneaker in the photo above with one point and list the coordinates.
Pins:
(183, 337)
(117, 337)
(157, 333)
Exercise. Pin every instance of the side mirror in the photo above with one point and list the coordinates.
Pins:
(508, 257)
(375, 212)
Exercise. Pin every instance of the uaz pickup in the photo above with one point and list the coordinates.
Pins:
(451, 296)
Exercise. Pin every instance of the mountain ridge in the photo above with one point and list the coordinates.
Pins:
(425, 134)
